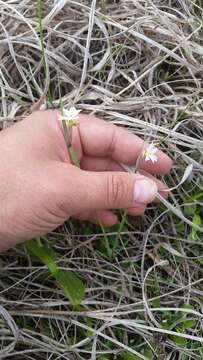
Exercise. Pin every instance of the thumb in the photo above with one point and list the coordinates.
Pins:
(84, 190)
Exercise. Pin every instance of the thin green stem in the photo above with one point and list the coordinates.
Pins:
(121, 225)
(41, 35)
(67, 135)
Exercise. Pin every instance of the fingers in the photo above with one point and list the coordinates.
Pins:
(107, 217)
(99, 164)
(160, 185)
(161, 166)
(106, 164)
(100, 217)
(102, 139)
(79, 190)
(137, 210)
(93, 137)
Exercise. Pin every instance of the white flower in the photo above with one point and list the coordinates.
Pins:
(150, 153)
(70, 116)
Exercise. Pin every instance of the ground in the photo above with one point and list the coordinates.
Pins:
(137, 64)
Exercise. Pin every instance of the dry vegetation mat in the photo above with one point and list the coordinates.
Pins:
(138, 64)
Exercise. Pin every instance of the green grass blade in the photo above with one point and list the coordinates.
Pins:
(121, 225)
(72, 286)
(44, 256)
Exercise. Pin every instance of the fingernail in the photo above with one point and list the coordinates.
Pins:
(145, 190)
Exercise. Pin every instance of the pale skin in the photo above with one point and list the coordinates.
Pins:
(41, 189)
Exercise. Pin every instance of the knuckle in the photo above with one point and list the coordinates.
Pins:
(116, 190)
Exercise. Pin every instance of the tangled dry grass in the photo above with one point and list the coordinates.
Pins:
(138, 64)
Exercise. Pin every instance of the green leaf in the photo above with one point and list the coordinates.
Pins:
(178, 339)
(180, 227)
(44, 255)
(188, 306)
(89, 323)
(197, 196)
(196, 221)
(45, 331)
(72, 286)
(148, 352)
(165, 324)
(188, 324)
(129, 356)
(189, 210)
(200, 260)
(156, 303)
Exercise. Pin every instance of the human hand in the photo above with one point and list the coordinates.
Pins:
(40, 188)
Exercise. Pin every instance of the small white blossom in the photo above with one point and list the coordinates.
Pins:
(70, 116)
(150, 153)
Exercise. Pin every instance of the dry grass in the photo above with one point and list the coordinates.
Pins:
(137, 64)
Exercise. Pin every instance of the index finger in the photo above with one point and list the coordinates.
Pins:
(102, 139)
